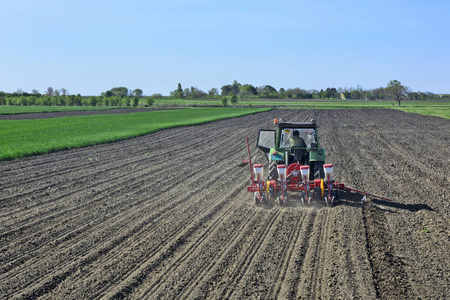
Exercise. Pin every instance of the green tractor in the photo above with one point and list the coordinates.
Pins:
(296, 163)
(281, 147)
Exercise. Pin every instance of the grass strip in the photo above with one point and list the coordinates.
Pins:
(437, 111)
(439, 108)
(20, 138)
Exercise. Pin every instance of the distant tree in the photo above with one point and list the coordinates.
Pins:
(178, 93)
(56, 93)
(196, 93)
(366, 95)
(233, 98)
(186, 93)
(235, 87)
(34, 91)
(92, 101)
(413, 95)
(213, 92)
(269, 89)
(71, 100)
(135, 101)
(377, 93)
(120, 92)
(355, 94)
(64, 91)
(2, 98)
(78, 100)
(226, 90)
(19, 92)
(49, 91)
(157, 96)
(396, 90)
(108, 93)
(224, 102)
(328, 93)
(137, 93)
(150, 101)
(247, 90)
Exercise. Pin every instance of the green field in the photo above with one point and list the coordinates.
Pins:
(20, 138)
(440, 108)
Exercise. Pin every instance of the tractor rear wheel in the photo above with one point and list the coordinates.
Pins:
(273, 172)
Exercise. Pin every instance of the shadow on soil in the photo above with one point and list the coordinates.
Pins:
(410, 207)
(354, 200)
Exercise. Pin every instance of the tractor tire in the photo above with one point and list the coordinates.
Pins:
(273, 172)
(318, 170)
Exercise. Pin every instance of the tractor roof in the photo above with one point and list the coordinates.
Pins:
(297, 125)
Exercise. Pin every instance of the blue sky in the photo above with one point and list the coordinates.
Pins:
(89, 47)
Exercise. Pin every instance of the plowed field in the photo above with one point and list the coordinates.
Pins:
(167, 216)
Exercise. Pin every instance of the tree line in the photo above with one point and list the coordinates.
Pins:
(122, 96)
(118, 96)
(393, 91)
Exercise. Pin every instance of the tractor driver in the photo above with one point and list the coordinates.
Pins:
(297, 141)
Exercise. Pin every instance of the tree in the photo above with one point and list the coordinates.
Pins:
(233, 98)
(34, 91)
(157, 96)
(224, 102)
(135, 101)
(49, 91)
(235, 87)
(355, 94)
(138, 93)
(186, 93)
(150, 101)
(247, 90)
(226, 90)
(120, 92)
(178, 93)
(213, 92)
(196, 93)
(64, 91)
(396, 90)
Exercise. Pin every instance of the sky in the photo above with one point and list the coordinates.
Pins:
(89, 47)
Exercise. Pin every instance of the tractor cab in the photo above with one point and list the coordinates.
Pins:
(292, 142)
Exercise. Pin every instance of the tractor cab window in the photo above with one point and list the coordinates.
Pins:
(307, 134)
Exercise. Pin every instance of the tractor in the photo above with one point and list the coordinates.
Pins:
(296, 164)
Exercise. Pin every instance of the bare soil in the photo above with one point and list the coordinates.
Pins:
(58, 114)
(167, 216)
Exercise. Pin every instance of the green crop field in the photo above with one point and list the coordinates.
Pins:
(440, 108)
(19, 138)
